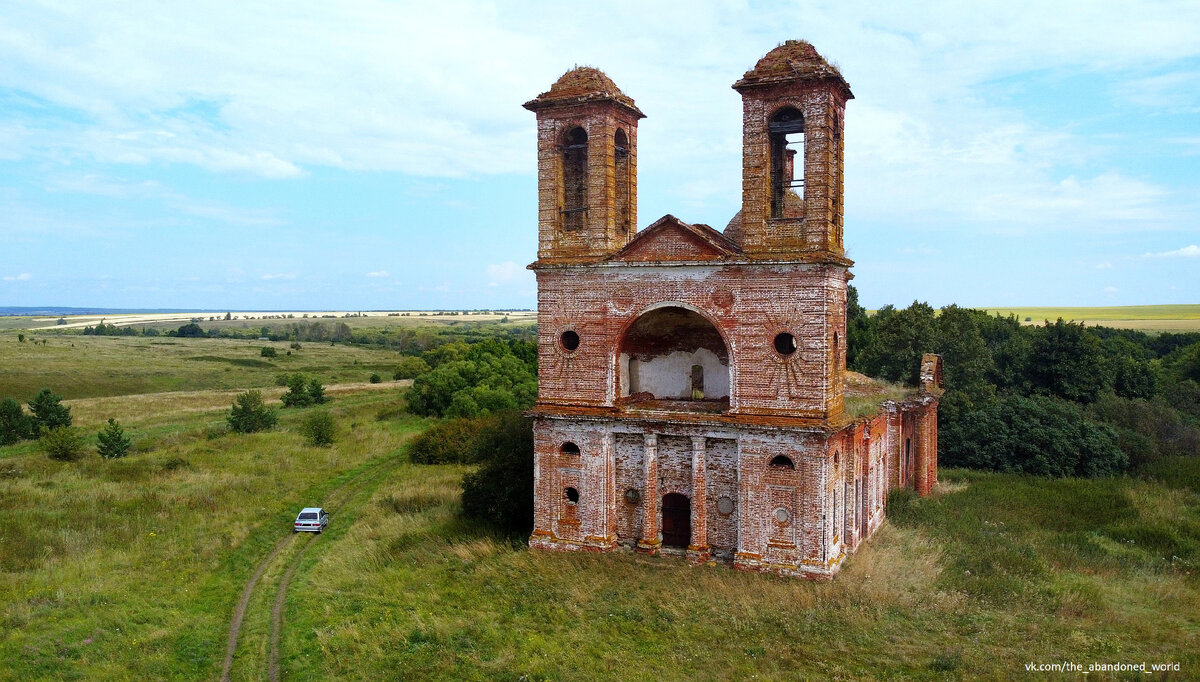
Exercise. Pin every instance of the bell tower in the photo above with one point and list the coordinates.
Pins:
(793, 106)
(587, 167)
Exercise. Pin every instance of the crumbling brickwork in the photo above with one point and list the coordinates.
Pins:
(691, 383)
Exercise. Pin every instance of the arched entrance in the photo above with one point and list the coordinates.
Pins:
(676, 520)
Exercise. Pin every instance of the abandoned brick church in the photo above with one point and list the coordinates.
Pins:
(692, 382)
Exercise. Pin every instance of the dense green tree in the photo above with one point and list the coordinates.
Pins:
(15, 425)
(190, 330)
(112, 443)
(249, 414)
(316, 392)
(1037, 435)
(48, 411)
(1067, 361)
(500, 491)
(410, 367)
(858, 328)
(900, 338)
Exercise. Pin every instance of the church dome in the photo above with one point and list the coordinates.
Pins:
(793, 60)
(582, 84)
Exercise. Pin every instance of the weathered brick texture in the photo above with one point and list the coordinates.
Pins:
(682, 361)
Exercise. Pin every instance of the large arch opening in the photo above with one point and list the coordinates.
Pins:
(674, 358)
(786, 135)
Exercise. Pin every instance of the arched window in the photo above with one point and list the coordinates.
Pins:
(624, 198)
(783, 462)
(786, 134)
(575, 152)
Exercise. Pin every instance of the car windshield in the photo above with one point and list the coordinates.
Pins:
(308, 515)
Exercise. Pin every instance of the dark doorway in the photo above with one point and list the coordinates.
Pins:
(676, 520)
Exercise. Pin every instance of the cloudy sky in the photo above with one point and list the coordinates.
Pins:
(363, 154)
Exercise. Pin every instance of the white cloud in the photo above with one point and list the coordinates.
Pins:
(282, 275)
(378, 273)
(23, 277)
(503, 273)
(1110, 290)
(1190, 251)
(1104, 266)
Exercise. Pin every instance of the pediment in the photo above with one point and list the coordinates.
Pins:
(670, 239)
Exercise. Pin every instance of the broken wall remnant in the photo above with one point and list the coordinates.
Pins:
(691, 383)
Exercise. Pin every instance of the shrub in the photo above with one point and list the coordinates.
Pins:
(190, 330)
(453, 441)
(500, 492)
(319, 428)
(410, 367)
(249, 414)
(268, 352)
(15, 425)
(62, 443)
(295, 345)
(48, 411)
(111, 443)
(375, 378)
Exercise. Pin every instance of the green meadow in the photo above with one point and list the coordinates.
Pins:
(133, 568)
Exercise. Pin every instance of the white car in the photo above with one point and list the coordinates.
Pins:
(311, 520)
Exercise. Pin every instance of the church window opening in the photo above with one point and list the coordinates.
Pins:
(624, 221)
(575, 153)
(786, 134)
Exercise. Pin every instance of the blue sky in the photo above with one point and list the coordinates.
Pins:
(375, 155)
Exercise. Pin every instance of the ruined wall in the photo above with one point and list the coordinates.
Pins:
(748, 304)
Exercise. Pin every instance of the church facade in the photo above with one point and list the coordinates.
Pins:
(692, 381)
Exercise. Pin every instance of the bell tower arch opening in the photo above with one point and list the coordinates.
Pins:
(786, 134)
(574, 175)
(674, 357)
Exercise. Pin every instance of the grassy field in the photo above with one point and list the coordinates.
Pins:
(1177, 318)
(91, 366)
(132, 568)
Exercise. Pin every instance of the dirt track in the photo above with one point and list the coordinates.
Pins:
(336, 501)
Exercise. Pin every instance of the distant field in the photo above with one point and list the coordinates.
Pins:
(77, 366)
(1145, 317)
(252, 319)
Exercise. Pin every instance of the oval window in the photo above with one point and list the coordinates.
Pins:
(724, 505)
(782, 515)
(633, 496)
(569, 340)
(572, 495)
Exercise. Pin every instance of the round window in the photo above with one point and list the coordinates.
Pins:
(782, 515)
(724, 505)
(572, 495)
(633, 496)
(569, 340)
(785, 343)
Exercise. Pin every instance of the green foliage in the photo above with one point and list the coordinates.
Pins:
(410, 367)
(268, 352)
(111, 443)
(62, 443)
(249, 414)
(295, 345)
(500, 491)
(20, 338)
(190, 330)
(859, 331)
(375, 378)
(453, 441)
(1147, 429)
(1067, 361)
(1035, 435)
(48, 411)
(15, 425)
(477, 379)
(319, 428)
(899, 340)
(303, 391)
